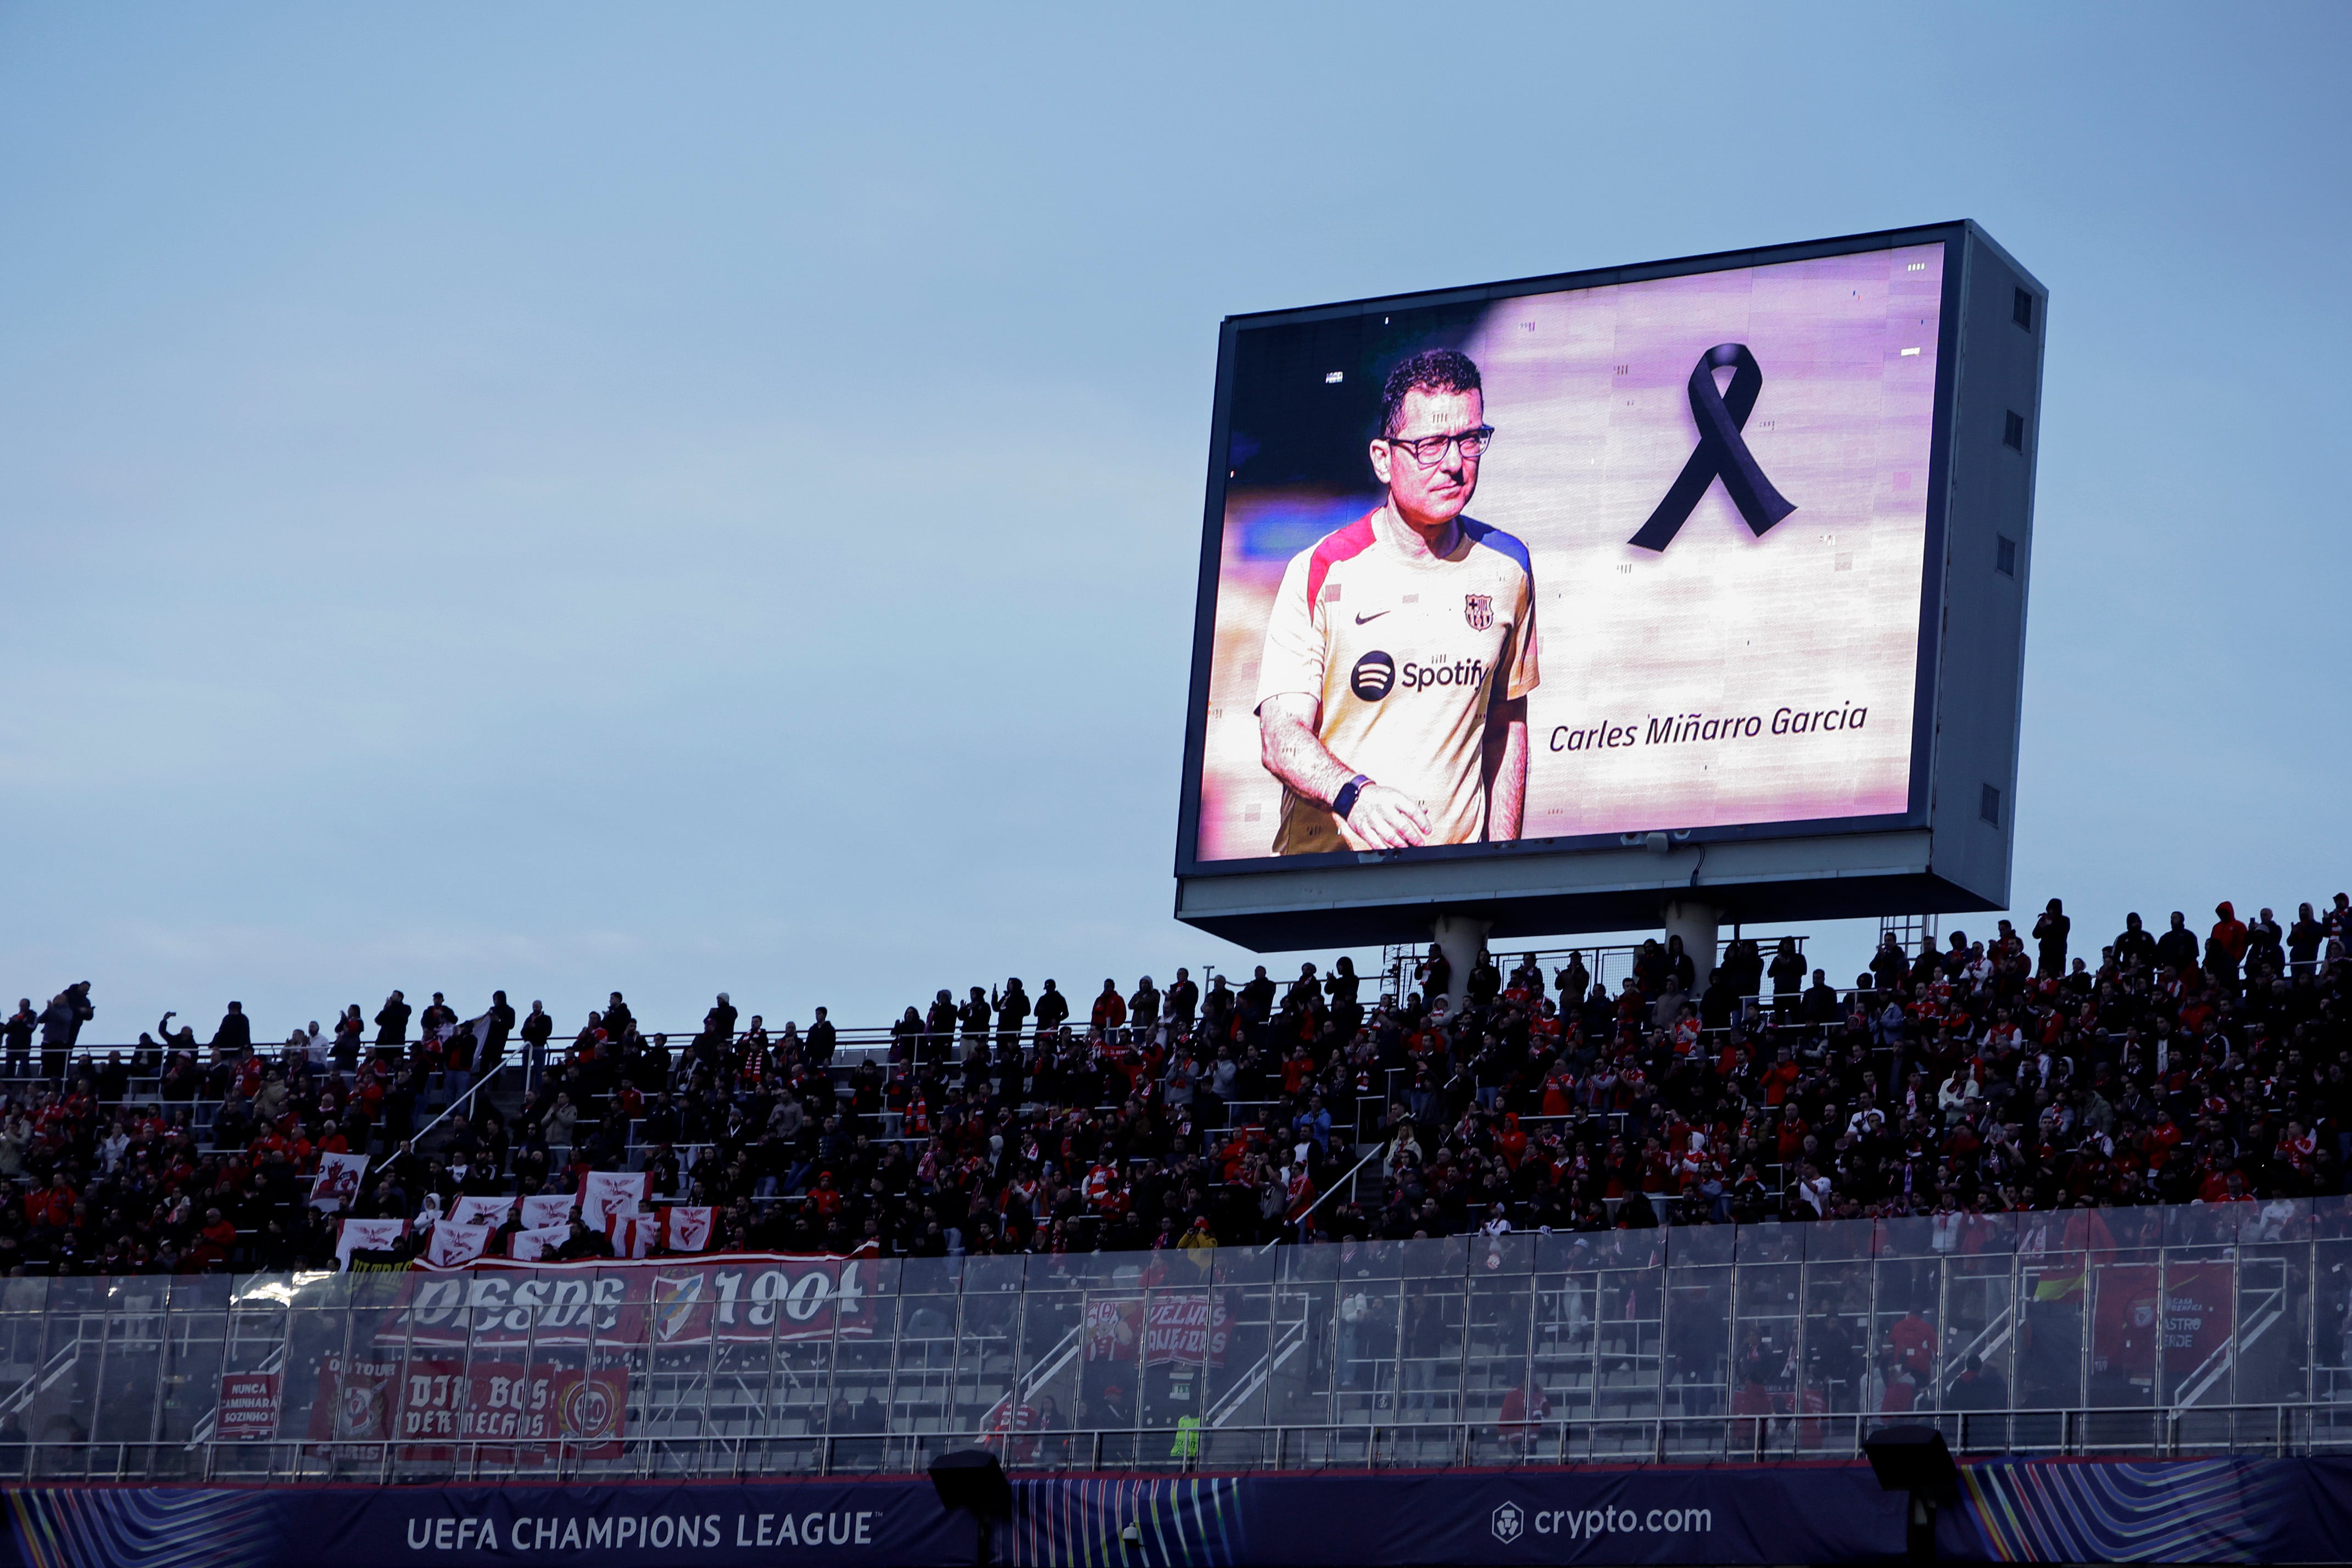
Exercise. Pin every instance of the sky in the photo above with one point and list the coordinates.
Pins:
(575, 499)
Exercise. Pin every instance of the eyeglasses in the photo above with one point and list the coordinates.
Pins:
(1430, 450)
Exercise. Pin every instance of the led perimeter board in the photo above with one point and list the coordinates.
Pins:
(1545, 603)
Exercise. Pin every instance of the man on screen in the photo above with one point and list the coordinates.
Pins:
(1392, 693)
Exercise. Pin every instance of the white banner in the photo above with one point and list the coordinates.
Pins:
(454, 1245)
(605, 1195)
(689, 1228)
(633, 1235)
(531, 1245)
(489, 1211)
(366, 1236)
(555, 1209)
(338, 1181)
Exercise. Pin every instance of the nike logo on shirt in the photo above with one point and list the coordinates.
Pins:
(1375, 615)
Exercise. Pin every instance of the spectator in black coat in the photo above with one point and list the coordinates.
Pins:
(2050, 931)
(61, 1024)
(719, 1023)
(2135, 947)
(2176, 949)
(233, 1039)
(17, 1035)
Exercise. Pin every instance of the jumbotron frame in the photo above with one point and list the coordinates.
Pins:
(1950, 852)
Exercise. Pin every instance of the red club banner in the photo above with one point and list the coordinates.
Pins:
(743, 1298)
(497, 1404)
(247, 1408)
(1189, 1330)
(2193, 1316)
(354, 1400)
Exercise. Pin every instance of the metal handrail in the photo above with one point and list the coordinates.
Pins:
(1326, 1193)
(480, 1082)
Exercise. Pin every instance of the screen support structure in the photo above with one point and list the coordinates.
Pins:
(1462, 939)
(1696, 923)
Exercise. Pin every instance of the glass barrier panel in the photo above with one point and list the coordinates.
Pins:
(988, 1335)
(2277, 1330)
(2124, 1303)
(2054, 1258)
(1304, 1322)
(1774, 1243)
(312, 1410)
(2195, 1352)
(1034, 1427)
(1173, 1366)
(864, 1355)
(1833, 1292)
(2202, 1225)
(1700, 1246)
(1978, 1351)
(2330, 1299)
(126, 1397)
(23, 1330)
(1764, 1382)
(1629, 1358)
(193, 1390)
(1237, 1359)
(612, 1431)
(1503, 1403)
(649, 1335)
(1698, 1344)
(1917, 1235)
(60, 1410)
(1367, 1340)
(1434, 1330)
(1840, 1240)
(1906, 1324)
(1566, 1284)
(1243, 1352)
(923, 1375)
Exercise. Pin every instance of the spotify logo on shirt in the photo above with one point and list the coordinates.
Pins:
(1374, 674)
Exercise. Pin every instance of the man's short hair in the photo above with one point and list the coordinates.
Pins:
(1431, 370)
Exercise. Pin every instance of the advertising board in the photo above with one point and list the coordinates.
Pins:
(2223, 1509)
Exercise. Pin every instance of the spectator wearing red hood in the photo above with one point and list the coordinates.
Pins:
(1511, 1143)
(2225, 947)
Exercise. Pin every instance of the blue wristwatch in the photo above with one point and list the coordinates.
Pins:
(1345, 801)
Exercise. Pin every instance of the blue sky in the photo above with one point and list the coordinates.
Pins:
(575, 499)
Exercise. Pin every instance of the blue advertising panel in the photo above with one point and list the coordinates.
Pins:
(2201, 1510)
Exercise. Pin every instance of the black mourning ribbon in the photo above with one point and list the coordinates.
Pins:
(1722, 452)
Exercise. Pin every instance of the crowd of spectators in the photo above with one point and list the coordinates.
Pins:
(1971, 1076)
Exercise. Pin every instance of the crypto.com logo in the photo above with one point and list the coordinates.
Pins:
(1507, 1523)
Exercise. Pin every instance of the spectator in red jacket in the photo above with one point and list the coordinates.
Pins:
(2225, 946)
(1519, 1424)
(53, 1205)
(1111, 1009)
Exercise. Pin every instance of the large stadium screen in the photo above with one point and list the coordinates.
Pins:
(1546, 569)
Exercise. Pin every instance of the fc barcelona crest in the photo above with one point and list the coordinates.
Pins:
(1478, 608)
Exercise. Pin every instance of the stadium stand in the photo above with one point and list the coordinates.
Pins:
(2054, 1207)
(1975, 1079)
